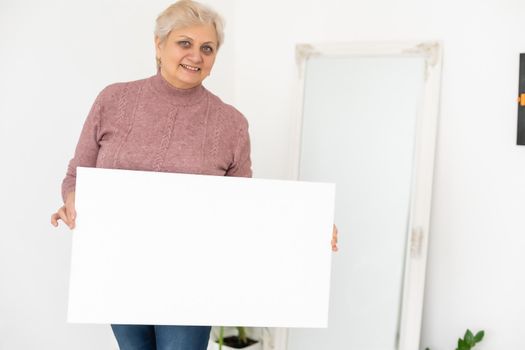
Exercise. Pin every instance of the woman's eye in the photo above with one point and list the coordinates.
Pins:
(207, 49)
(184, 43)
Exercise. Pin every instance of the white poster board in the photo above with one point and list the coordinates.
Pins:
(164, 248)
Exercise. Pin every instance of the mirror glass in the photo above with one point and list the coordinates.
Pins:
(358, 131)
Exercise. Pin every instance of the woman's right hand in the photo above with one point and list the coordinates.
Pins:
(66, 213)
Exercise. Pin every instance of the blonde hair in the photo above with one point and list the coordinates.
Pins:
(185, 13)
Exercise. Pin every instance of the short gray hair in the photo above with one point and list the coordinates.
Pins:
(185, 13)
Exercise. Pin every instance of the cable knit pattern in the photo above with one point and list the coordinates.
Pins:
(150, 125)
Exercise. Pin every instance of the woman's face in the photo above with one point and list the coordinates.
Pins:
(187, 55)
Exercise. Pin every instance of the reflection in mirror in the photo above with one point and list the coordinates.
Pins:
(361, 116)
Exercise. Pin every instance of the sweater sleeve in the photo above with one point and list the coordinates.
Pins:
(242, 164)
(86, 152)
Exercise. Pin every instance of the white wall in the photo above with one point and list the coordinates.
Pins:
(55, 58)
(475, 271)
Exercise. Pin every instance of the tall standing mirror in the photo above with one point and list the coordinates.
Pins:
(367, 122)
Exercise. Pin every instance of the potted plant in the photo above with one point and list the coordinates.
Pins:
(469, 340)
(240, 340)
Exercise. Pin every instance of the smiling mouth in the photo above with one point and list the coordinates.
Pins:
(193, 69)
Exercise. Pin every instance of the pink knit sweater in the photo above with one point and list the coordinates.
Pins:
(150, 125)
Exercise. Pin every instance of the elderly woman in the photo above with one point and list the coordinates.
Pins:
(168, 122)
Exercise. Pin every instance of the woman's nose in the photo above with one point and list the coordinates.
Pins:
(195, 55)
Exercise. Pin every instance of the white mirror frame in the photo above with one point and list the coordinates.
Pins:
(421, 187)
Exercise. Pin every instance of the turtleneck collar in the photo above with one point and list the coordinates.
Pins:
(175, 95)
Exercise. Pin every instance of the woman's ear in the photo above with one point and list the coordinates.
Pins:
(158, 45)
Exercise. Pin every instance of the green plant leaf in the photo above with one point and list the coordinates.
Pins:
(469, 338)
(479, 336)
(462, 345)
(243, 337)
(221, 337)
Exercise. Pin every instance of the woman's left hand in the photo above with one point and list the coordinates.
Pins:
(334, 239)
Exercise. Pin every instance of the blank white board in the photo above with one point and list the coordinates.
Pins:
(165, 248)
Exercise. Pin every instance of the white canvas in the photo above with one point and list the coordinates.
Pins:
(164, 248)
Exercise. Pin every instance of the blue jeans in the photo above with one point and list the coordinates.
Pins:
(144, 337)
